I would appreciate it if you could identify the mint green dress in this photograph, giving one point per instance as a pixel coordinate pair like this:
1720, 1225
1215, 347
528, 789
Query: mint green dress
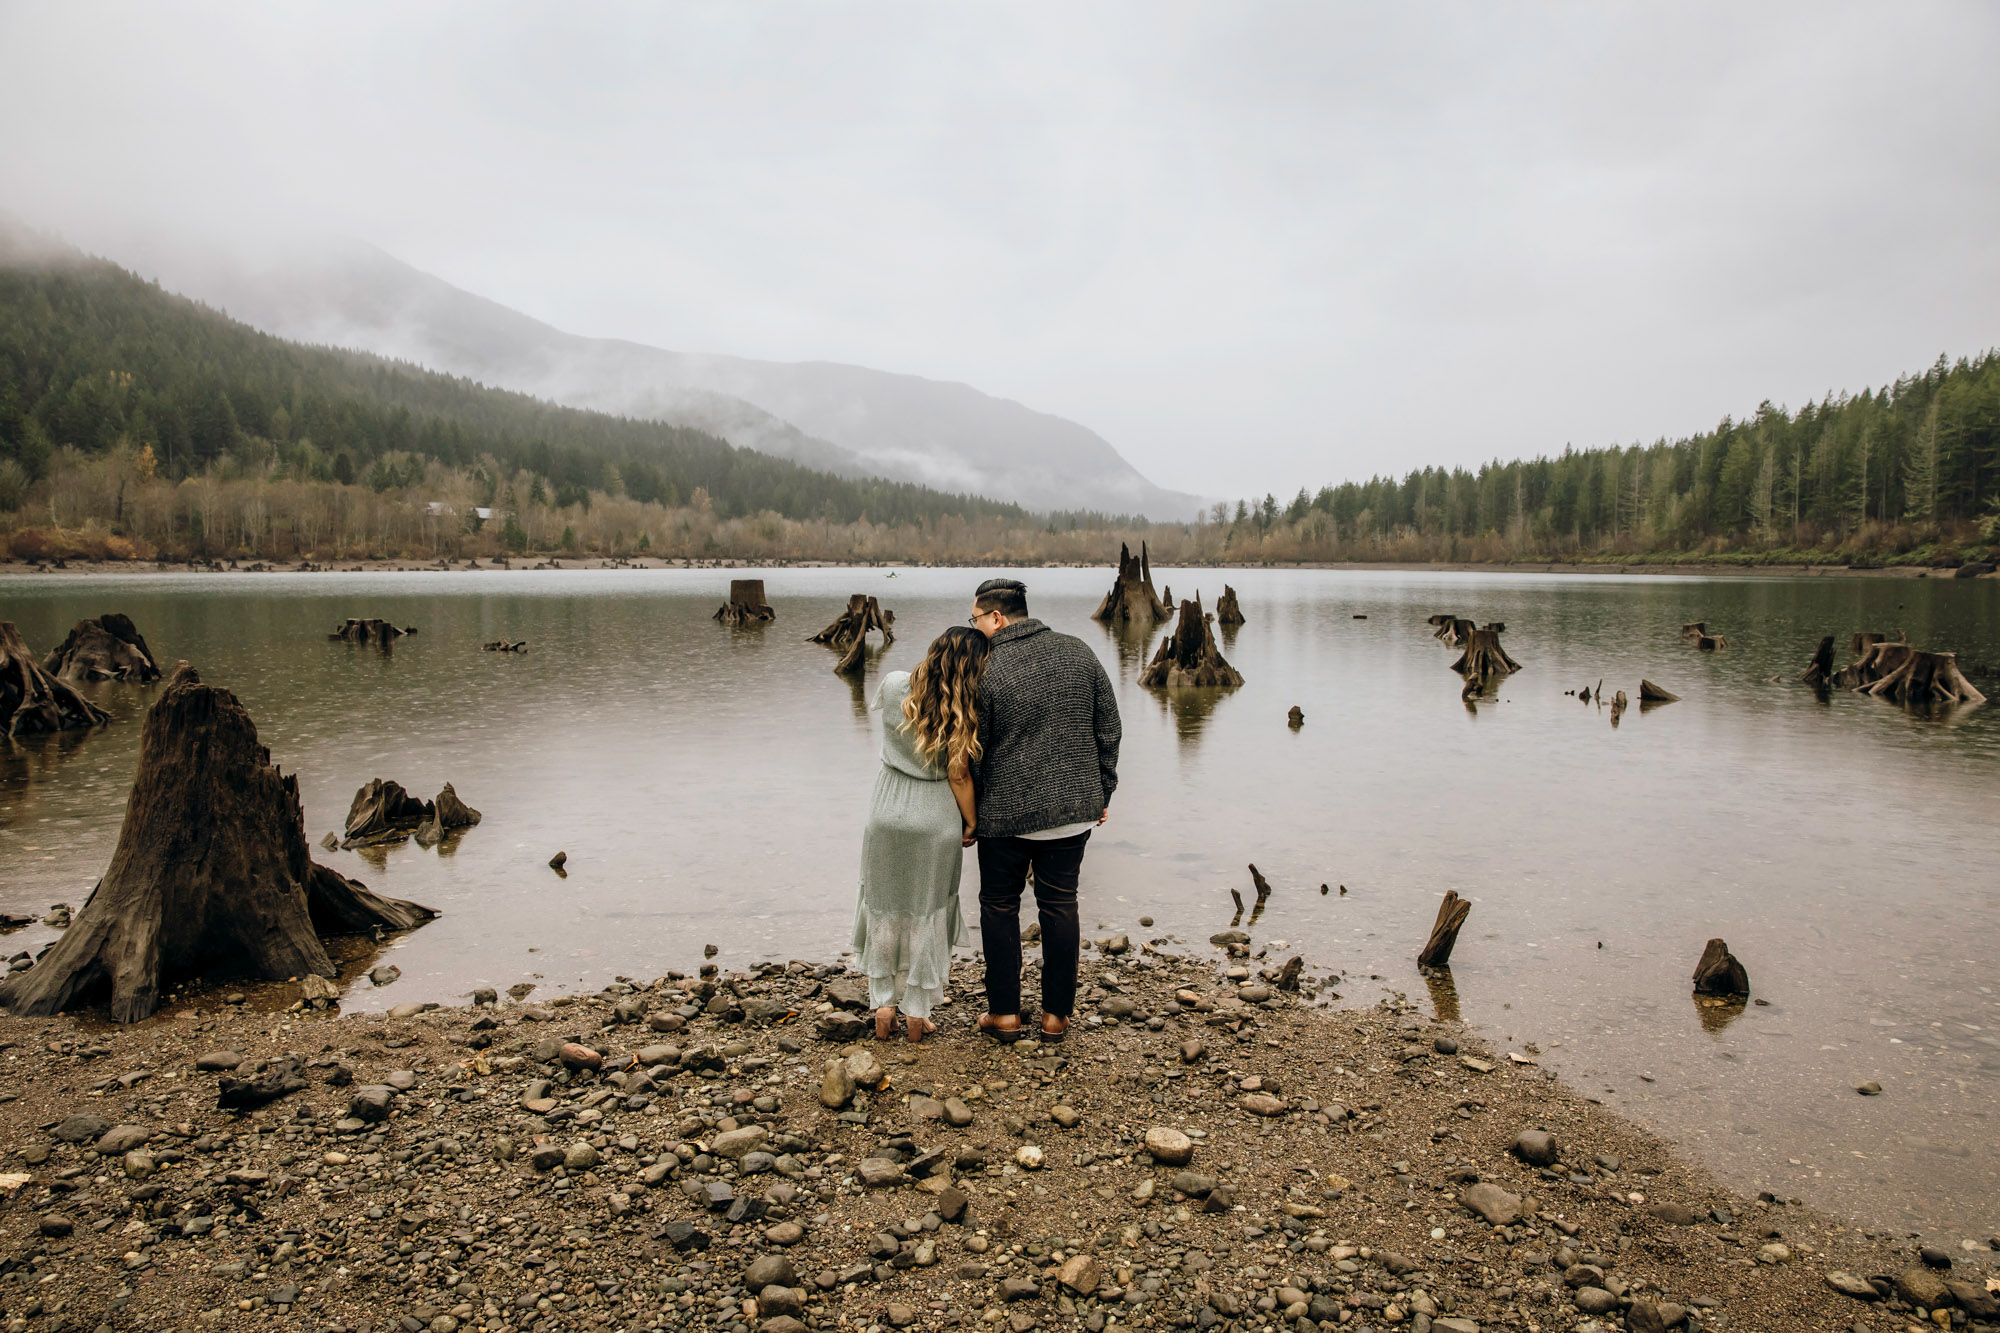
907, 919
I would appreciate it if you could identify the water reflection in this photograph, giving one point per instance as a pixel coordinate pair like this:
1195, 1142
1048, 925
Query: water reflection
1129, 640
1190, 710
1717, 1012
1444, 992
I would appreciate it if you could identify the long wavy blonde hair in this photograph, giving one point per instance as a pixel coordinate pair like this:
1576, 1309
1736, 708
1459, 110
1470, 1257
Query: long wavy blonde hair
942, 712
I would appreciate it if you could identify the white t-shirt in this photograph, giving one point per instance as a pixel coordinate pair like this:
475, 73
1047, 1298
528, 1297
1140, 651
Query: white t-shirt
1066, 831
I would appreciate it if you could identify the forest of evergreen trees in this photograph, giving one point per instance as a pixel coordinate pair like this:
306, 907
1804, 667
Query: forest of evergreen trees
136, 422
1910, 466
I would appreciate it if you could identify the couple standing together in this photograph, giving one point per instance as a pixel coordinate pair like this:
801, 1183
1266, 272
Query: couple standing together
1005, 735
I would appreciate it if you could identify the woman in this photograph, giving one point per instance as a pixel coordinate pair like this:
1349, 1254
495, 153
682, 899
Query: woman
907, 919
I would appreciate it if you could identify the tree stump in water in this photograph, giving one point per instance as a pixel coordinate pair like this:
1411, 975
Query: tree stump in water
1694, 629
863, 613
454, 813
1188, 656
1132, 597
107, 648
1819, 672
211, 873
367, 631
1708, 643
1718, 973
1912, 676
383, 811
1452, 631
1483, 659
1649, 693
32, 700
506, 646
1167, 597
1451, 916
1227, 612
746, 604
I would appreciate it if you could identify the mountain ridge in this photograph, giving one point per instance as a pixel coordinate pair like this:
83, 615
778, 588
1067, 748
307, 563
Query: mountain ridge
830, 415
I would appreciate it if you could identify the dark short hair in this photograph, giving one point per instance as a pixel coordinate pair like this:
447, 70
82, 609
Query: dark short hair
1007, 596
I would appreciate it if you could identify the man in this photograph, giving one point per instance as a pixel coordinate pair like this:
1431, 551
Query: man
1048, 737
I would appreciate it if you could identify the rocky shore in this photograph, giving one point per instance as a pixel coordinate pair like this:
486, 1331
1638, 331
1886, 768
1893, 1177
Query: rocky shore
1217, 1145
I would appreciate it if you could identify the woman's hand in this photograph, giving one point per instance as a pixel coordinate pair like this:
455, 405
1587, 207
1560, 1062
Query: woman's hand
969, 836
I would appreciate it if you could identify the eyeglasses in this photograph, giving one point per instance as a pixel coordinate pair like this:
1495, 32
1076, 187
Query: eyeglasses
978, 616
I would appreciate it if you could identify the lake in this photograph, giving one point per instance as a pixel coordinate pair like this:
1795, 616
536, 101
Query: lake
709, 784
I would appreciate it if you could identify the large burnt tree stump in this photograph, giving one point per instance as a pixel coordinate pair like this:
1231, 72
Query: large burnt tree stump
107, 648
1188, 656
211, 875
1451, 916
32, 700
746, 605
1451, 631
1132, 599
1227, 612
355, 630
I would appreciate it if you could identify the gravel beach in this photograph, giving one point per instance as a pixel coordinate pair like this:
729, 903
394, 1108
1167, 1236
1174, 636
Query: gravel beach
1218, 1144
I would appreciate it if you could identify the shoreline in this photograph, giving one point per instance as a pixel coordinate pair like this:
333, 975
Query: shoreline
683, 1153
20, 569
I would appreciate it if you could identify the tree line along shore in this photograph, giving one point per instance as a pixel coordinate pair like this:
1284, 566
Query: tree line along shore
136, 424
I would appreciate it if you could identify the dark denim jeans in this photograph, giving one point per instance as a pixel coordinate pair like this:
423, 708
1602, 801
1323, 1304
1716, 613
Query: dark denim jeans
1003, 871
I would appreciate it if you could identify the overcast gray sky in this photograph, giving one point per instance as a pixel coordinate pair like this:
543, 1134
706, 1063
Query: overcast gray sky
1255, 245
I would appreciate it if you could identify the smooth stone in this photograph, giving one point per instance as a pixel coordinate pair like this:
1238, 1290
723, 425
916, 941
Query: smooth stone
1169, 1147
1536, 1147
1494, 1205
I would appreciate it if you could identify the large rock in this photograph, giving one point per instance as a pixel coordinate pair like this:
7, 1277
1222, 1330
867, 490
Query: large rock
1975, 1300
371, 1102
78, 1128
121, 1139
1847, 1284
1595, 1300
1494, 1205
770, 1270
1673, 1214
865, 1069
1082, 1274
836, 1089
1169, 1147
1920, 1286
734, 1143
1537, 1147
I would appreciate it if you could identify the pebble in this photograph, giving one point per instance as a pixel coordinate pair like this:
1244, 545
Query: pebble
1169, 1147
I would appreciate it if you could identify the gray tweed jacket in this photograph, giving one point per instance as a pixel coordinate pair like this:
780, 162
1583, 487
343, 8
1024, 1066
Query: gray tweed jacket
1048, 733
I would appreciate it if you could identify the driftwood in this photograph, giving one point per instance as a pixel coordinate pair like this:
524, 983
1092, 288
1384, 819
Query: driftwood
1718, 973
1649, 693
1263, 887
1132, 597
32, 700
863, 613
211, 874
1483, 659
107, 648
506, 646
383, 811
1444, 931
368, 631
1227, 612
1188, 656
746, 605
1895, 670
1819, 671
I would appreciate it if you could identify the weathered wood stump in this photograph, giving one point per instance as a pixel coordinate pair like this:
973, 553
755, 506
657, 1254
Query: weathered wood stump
863, 613
1227, 612
1483, 659
1694, 629
382, 811
1892, 669
107, 648
1167, 598
1709, 643
211, 874
1132, 597
1188, 657
1451, 631
1718, 973
452, 812
32, 700
1819, 671
1451, 916
1649, 693
354, 630
746, 605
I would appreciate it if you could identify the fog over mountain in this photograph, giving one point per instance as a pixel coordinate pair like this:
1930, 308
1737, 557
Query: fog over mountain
849, 420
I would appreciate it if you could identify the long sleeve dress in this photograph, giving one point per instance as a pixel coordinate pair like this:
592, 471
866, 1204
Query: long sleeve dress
907, 918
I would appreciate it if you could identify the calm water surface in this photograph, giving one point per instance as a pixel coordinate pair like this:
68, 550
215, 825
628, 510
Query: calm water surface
709, 786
